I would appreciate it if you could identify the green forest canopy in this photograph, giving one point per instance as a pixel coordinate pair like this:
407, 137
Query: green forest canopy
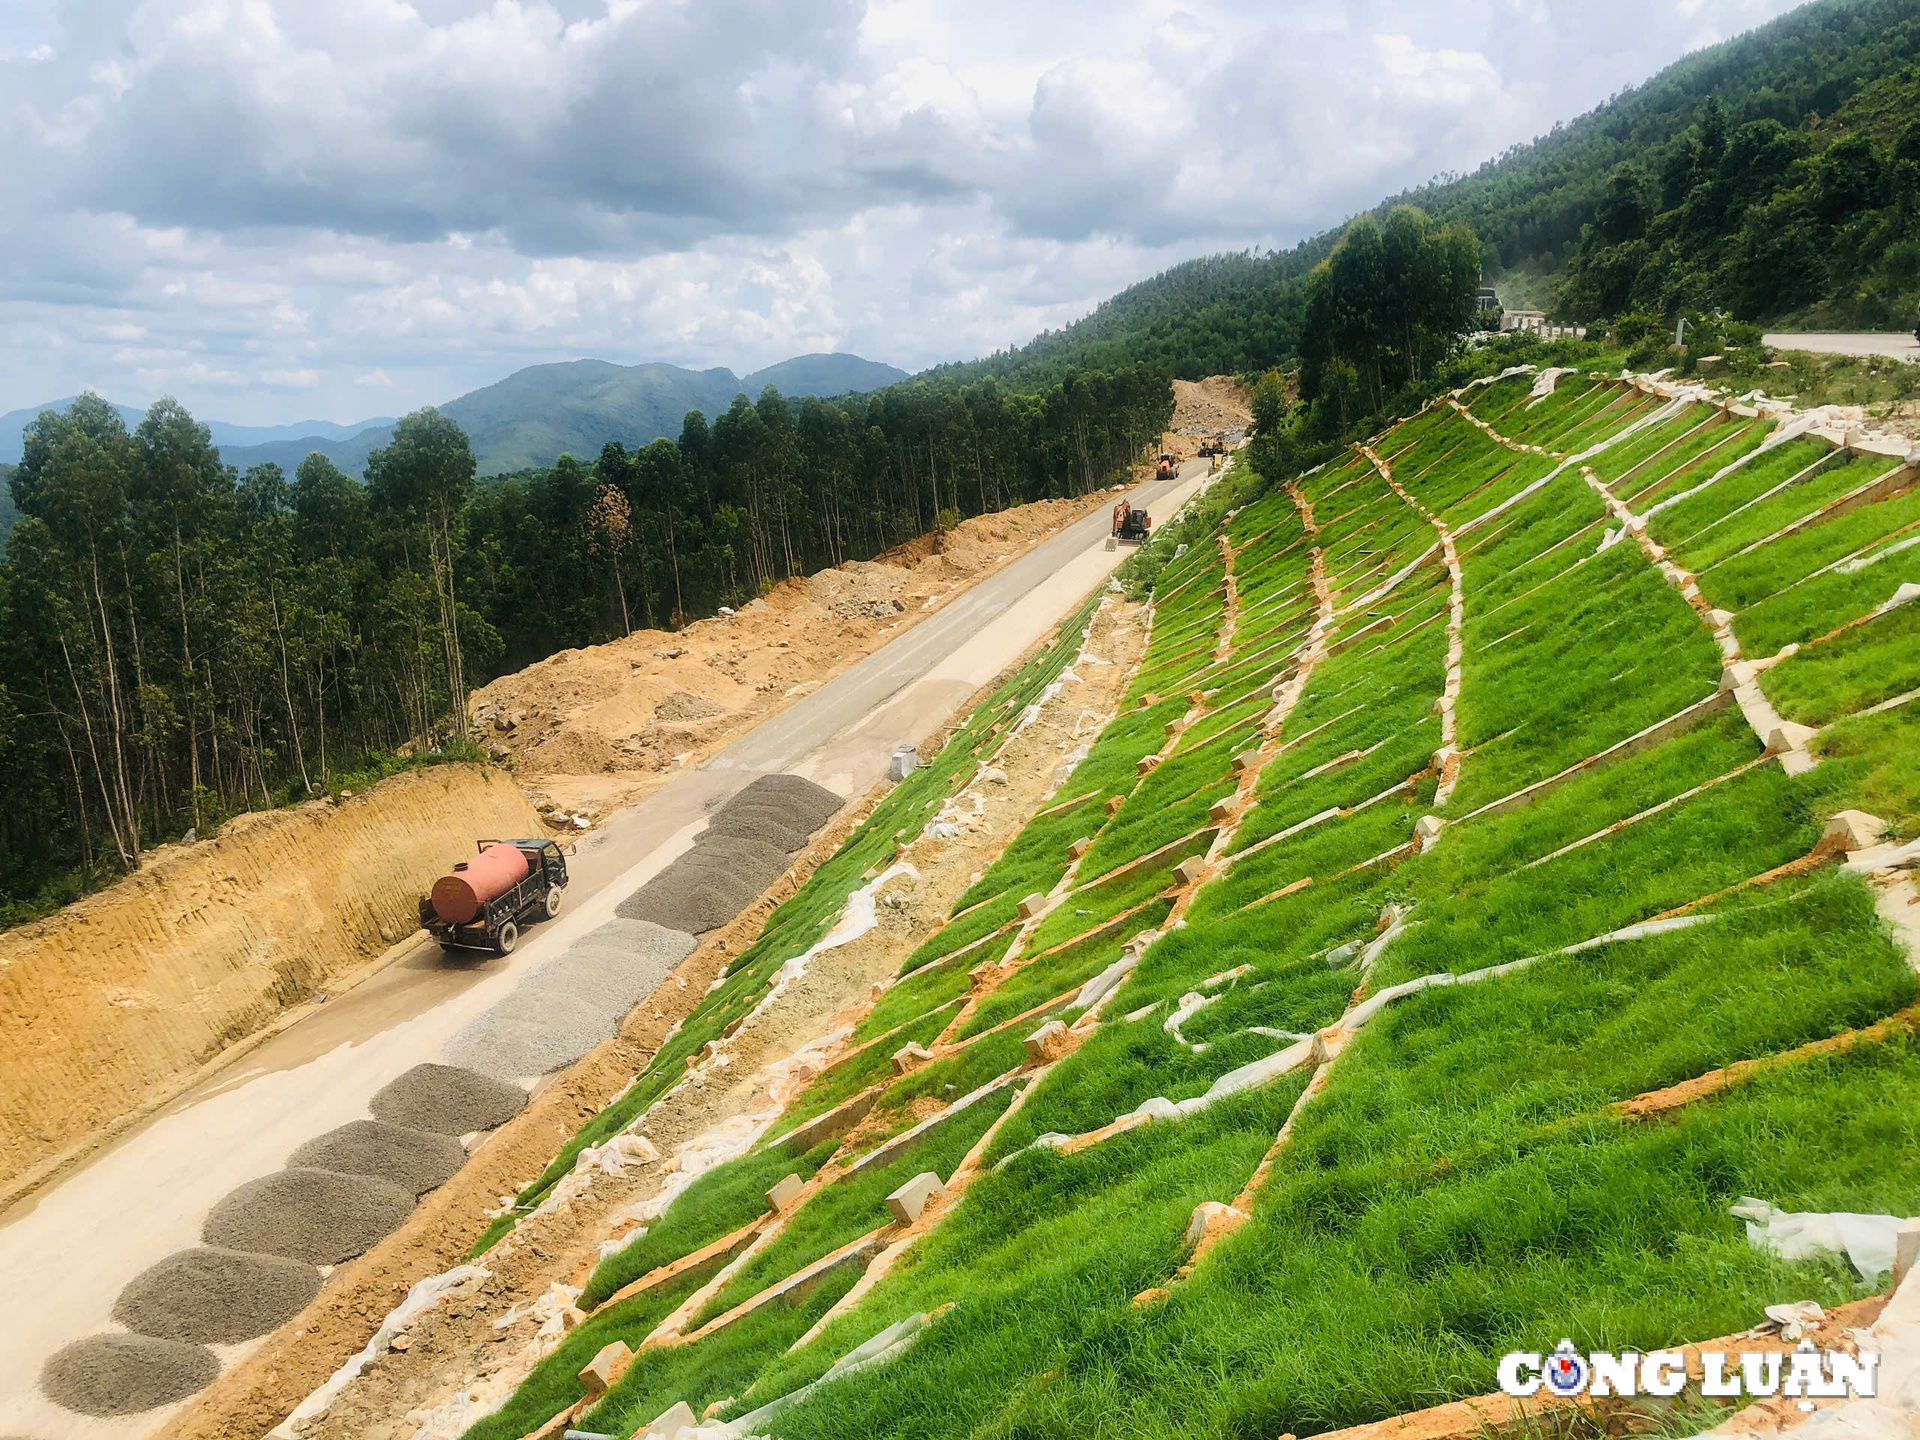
1822, 73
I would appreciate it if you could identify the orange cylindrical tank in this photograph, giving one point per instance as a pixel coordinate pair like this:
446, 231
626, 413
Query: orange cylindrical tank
458, 897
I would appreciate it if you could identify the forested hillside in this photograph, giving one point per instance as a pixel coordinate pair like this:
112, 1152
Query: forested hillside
180, 640
1778, 192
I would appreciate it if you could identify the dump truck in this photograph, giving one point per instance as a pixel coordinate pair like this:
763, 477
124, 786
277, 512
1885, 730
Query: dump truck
1130, 523
481, 903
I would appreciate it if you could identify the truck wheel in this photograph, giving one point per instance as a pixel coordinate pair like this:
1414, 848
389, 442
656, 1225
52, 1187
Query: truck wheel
508, 937
553, 902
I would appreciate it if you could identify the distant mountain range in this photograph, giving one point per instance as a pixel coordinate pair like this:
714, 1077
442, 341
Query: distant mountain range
535, 415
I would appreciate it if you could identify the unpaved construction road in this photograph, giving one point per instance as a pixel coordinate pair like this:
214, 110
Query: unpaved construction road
1901, 347
66, 1253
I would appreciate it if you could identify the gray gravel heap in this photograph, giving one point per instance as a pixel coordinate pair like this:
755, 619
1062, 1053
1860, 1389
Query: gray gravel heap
419, 1160
693, 894
319, 1216
216, 1297
126, 1374
510, 1046
747, 844
447, 1101
810, 805
572, 1003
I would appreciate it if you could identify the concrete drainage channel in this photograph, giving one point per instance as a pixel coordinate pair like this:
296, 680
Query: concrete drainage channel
268, 1246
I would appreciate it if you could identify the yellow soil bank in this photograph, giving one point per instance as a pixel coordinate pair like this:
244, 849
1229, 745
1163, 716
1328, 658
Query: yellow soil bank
116, 1001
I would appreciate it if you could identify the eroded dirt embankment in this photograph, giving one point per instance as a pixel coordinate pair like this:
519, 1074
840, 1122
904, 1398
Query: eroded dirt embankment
112, 1005
594, 729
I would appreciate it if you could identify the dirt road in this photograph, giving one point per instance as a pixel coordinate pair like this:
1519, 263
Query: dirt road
1901, 346
65, 1255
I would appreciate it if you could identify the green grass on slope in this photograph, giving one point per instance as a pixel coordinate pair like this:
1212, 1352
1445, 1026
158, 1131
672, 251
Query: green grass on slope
848, 1209
718, 1203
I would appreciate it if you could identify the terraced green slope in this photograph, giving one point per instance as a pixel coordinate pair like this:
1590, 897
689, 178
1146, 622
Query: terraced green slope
1469, 787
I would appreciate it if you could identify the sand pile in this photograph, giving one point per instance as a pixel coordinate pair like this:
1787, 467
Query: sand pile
447, 1101
318, 1216
571, 1004
216, 1297
126, 1374
749, 841
418, 1160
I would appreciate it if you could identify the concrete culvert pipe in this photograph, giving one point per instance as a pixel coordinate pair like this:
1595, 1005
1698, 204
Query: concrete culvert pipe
420, 1160
216, 1297
447, 1100
318, 1216
126, 1374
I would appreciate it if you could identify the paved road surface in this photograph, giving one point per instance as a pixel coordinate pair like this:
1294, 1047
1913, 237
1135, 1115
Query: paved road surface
1902, 346
66, 1252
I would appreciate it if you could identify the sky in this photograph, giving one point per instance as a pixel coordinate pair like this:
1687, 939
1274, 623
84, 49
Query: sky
340, 208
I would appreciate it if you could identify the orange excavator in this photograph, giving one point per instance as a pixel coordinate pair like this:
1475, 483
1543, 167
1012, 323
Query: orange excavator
1131, 523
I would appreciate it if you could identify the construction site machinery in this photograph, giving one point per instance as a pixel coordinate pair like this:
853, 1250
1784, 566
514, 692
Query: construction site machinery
1130, 523
1168, 468
481, 903
1212, 448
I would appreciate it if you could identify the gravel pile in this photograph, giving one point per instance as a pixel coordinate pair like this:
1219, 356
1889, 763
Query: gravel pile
418, 1160
810, 805
571, 1004
447, 1101
511, 1047
216, 1297
749, 841
693, 894
318, 1216
126, 1374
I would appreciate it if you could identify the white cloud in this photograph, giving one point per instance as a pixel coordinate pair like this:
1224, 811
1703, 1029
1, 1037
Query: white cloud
264, 207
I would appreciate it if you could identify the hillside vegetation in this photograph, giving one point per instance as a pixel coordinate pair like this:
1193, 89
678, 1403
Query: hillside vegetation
1316, 1043
179, 641
1803, 170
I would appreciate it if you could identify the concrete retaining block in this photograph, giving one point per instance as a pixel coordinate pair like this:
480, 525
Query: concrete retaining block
1190, 869
906, 1203
603, 1372
1080, 847
1851, 830
1032, 905
781, 1197
909, 1055
1047, 1043
670, 1422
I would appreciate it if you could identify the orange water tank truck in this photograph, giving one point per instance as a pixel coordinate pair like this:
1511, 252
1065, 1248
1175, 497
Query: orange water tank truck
481, 903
